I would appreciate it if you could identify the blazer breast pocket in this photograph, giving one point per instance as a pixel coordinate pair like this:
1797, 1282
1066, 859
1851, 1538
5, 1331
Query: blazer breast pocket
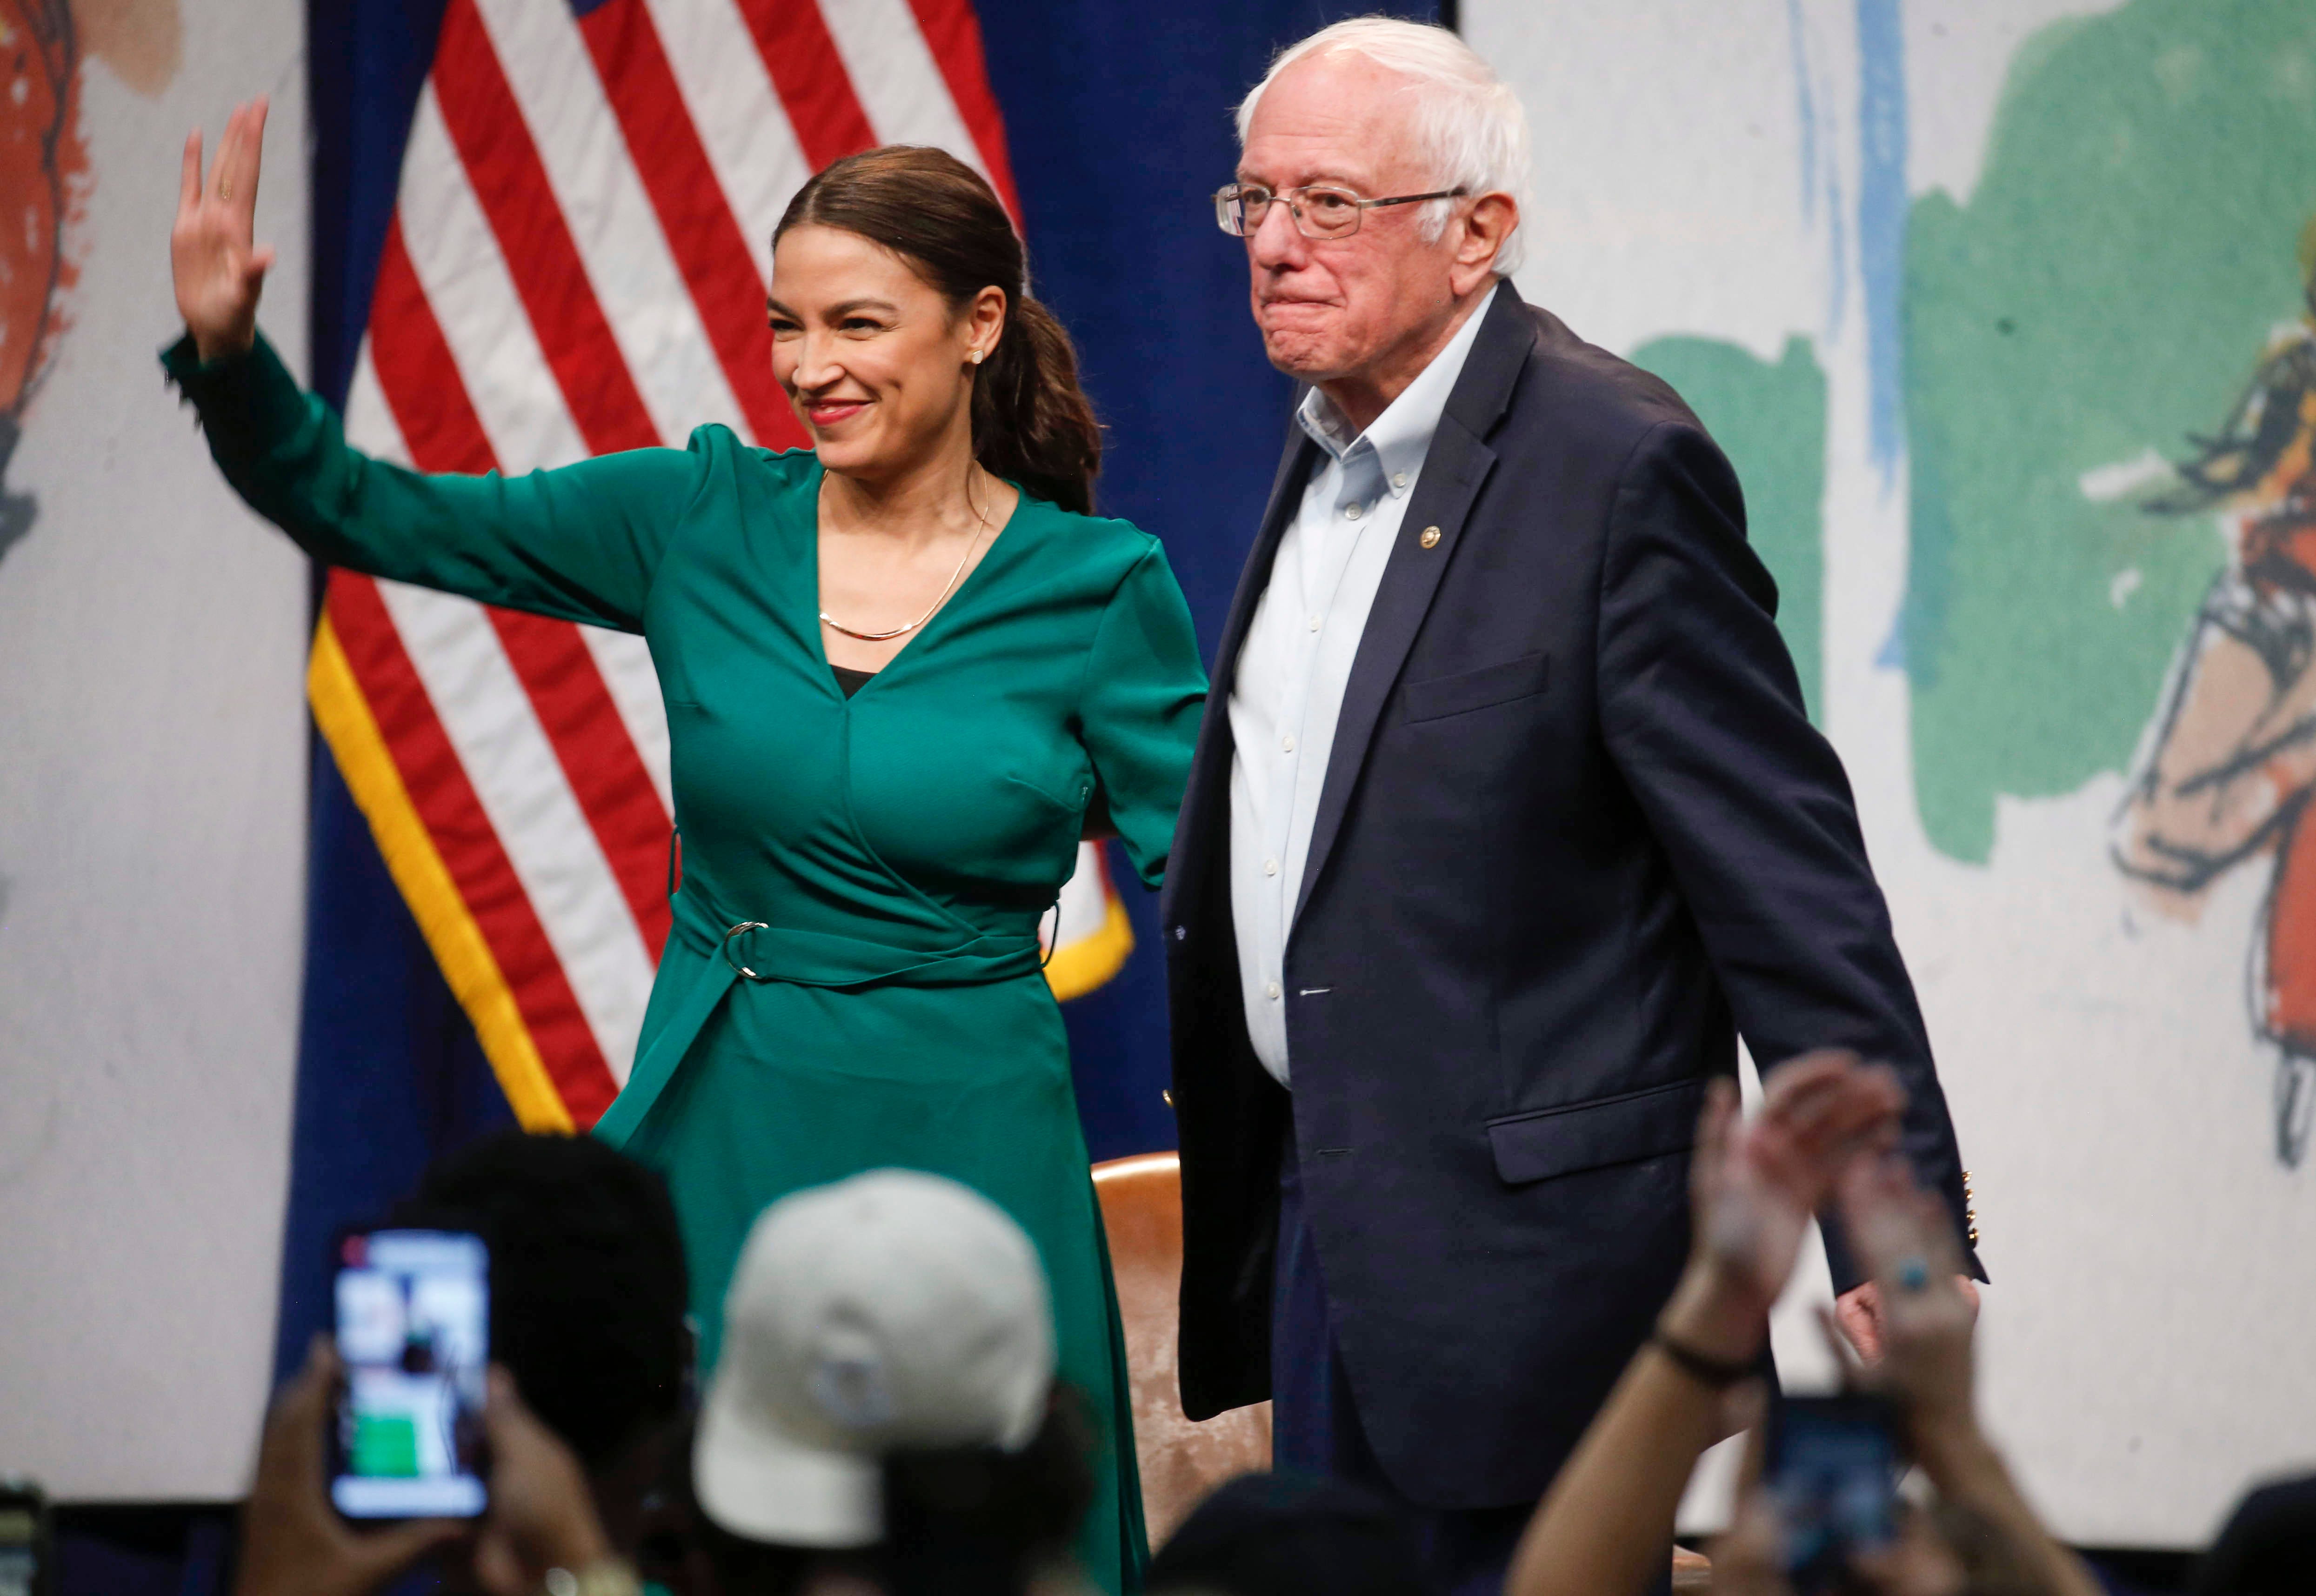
1467, 690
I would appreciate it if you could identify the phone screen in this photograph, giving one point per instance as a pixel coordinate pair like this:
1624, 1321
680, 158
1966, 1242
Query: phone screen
23, 1535
413, 1333
1833, 1470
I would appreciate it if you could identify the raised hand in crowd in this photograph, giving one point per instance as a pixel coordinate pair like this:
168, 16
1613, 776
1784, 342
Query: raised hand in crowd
1978, 1535
218, 268
1927, 1371
542, 1514
1859, 1312
293, 1543
1605, 1526
1863, 1313
1756, 1187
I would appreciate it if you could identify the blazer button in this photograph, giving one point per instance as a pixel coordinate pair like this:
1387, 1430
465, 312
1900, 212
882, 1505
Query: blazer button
1430, 538
1167, 1098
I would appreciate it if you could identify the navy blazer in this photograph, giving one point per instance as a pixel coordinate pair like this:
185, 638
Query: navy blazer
1576, 831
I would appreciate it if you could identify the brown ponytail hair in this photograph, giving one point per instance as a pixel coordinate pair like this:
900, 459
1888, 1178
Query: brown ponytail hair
1031, 423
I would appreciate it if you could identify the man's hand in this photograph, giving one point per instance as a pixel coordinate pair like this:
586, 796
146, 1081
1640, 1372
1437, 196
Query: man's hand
1755, 1186
293, 1543
1858, 1311
542, 1509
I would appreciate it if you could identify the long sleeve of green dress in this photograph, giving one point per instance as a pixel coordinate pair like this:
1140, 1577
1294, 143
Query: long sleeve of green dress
852, 980
1131, 718
580, 543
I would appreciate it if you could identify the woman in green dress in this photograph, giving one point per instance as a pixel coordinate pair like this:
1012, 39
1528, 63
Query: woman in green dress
901, 670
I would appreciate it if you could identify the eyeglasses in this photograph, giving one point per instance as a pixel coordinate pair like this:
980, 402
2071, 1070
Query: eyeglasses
1319, 211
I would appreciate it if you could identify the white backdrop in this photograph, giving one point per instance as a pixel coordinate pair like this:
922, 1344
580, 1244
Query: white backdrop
152, 830
2146, 1338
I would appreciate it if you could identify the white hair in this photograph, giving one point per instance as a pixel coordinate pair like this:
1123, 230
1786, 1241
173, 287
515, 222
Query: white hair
1469, 123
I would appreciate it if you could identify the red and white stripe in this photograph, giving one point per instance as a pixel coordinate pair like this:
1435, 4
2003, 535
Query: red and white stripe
577, 264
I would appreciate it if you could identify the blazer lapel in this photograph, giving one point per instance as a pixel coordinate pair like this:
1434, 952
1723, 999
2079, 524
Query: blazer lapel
1454, 469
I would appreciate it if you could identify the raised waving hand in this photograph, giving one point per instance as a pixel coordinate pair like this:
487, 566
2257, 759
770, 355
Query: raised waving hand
219, 270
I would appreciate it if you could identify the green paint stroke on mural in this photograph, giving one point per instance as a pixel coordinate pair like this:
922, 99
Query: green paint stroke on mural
2107, 291
1770, 421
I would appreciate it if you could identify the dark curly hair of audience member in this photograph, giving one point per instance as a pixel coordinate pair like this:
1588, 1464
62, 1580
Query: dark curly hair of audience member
563, 1216
1290, 1534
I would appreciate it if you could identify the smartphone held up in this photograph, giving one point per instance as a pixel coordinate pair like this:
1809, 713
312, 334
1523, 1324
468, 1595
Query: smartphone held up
1833, 1468
413, 1335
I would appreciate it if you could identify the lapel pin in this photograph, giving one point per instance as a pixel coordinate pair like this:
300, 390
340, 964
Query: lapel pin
1430, 538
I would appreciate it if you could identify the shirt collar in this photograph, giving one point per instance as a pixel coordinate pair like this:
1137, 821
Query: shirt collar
1401, 436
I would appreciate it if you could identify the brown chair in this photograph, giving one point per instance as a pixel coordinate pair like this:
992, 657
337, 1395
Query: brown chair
1181, 1460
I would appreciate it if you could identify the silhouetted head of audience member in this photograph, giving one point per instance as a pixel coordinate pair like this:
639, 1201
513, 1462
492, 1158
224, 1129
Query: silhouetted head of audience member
588, 1292
885, 1405
958, 1522
2268, 1546
1290, 1535
981, 1521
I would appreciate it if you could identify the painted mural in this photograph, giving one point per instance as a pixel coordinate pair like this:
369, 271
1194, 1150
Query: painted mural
44, 173
2094, 306
2231, 762
2111, 443
2094, 481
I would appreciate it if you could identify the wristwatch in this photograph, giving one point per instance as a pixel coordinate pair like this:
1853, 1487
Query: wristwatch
605, 1577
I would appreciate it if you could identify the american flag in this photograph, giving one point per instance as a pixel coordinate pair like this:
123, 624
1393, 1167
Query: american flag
577, 264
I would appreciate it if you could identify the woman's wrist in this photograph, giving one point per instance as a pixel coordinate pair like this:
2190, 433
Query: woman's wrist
213, 347
1714, 1316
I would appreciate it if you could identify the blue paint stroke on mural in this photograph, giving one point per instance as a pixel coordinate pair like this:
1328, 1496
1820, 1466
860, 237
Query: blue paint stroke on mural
1882, 204
1805, 109
1819, 177
1836, 248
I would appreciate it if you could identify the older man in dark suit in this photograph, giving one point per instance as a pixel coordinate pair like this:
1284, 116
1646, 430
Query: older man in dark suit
1506, 818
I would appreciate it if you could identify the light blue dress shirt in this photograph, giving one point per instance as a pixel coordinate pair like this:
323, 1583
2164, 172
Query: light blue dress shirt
1296, 660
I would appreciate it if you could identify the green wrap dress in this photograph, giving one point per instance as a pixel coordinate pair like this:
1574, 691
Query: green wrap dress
893, 853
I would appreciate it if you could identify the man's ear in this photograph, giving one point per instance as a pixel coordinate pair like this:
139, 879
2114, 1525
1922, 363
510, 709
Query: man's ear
1486, 226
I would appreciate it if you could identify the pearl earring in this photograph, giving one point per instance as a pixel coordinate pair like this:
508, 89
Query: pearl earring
977, 356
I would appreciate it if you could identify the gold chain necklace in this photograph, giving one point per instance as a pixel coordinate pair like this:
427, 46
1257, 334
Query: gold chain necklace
950, 586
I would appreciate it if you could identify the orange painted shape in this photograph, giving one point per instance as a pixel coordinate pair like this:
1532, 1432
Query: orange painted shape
43, 170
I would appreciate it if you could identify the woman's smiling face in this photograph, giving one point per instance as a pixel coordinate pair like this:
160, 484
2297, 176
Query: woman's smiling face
875, 361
